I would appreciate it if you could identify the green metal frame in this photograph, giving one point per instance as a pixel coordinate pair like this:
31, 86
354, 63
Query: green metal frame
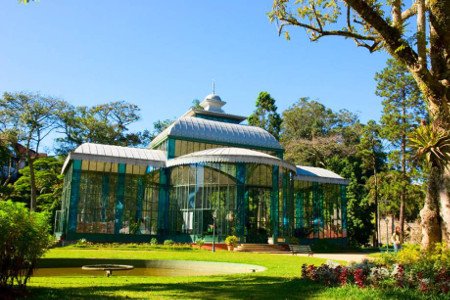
274, 207
74, 195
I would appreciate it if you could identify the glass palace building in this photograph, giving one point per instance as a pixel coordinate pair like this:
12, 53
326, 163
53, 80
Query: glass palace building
205, 171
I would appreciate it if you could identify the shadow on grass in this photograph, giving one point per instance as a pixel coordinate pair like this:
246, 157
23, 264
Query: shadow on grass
258, 287
236, 288
247, 286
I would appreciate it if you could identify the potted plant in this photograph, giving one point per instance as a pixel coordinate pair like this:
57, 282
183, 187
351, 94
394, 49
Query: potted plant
231, 242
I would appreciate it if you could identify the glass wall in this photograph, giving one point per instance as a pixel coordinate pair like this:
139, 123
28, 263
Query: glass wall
183, 147
319, 210
197, 193
237, 195
117, 199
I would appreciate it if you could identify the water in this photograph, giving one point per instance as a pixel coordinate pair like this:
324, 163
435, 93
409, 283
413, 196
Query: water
159, 268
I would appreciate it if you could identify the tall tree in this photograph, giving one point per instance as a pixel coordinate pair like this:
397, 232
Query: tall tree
369, 25
370, 150
266, 115
32, 118
104, 124
403, 110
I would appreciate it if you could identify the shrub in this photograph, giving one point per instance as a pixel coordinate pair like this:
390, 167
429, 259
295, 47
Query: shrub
169, 243
153, 242
200, 243
24, 238
82, 243
231, 240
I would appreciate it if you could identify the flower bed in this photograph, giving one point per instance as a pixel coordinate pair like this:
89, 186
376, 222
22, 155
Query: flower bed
410, 268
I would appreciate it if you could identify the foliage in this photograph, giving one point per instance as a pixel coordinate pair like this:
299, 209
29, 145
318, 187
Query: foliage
265, 115
423, 52
315, 135
160, 125
153, 245
103, 124
390, 185
49, 183
200, 243
31, 117
153, 241
365, 274
168, 243
312, 133
231, 240
403, 110
24, 238
431, 143
83, 243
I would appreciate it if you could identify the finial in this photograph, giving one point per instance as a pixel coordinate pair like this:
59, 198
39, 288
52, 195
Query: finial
213, 87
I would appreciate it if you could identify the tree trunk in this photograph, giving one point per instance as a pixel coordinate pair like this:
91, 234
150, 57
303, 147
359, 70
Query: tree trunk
33, 193
430, 218
445, 207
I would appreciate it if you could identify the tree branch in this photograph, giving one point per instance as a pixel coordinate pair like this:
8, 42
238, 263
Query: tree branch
293, 21
397, 14
409, 12
317, 17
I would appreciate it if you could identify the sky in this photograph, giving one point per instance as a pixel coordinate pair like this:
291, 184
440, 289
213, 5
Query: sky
161, 55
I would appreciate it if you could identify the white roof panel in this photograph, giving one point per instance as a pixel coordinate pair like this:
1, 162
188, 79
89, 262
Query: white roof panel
305, 173
117, 154
219, 132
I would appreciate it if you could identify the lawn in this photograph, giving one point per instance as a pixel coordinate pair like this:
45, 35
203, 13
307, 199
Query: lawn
281, 280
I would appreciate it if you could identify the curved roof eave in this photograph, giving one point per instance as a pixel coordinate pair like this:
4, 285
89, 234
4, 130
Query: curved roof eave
320, 175
116, 154
229, 155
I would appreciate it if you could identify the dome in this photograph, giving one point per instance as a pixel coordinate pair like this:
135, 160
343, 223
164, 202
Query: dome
213, 103
212, 97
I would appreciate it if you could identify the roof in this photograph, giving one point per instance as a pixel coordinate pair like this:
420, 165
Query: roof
229, 155
117, 154
321, 175
219, 132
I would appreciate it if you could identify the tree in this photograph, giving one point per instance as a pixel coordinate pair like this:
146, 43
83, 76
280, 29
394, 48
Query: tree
403, 110
104, 124
312, 133
370, 150
368, 24
8, 138
265, 115
160, 125
49, 184
32, 118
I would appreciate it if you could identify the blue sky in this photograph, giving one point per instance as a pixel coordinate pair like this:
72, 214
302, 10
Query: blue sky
161, 55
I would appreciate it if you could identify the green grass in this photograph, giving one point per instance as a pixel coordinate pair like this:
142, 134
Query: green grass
281, 280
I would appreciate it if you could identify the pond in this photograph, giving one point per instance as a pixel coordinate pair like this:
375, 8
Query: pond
158, 268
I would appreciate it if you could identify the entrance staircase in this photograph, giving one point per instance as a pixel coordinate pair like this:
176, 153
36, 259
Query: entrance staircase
262, 248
